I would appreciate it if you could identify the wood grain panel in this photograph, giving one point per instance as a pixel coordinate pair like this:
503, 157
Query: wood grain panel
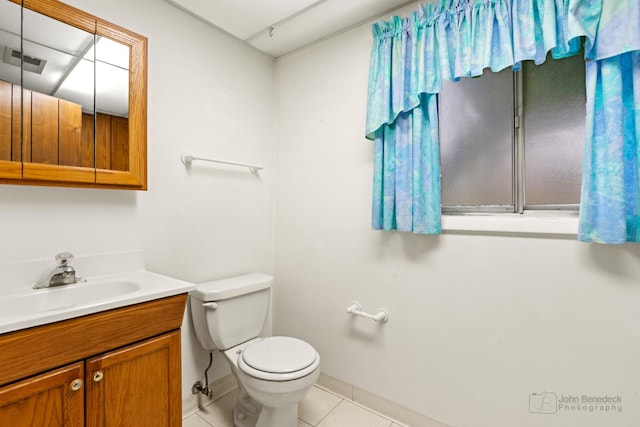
87, 144
138, 111
10, 170
70, 133
58, 173
119, 143
44, 400
6, 101
35, 350
44, 129
21, 150
103, 141
104, 176
141, 384
67, 184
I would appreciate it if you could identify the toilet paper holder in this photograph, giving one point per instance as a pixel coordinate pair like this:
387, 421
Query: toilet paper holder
381, 316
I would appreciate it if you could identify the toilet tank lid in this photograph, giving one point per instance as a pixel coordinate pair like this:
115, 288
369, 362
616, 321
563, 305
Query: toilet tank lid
216, 290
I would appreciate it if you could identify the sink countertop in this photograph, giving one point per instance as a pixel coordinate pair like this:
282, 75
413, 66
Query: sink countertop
142, 286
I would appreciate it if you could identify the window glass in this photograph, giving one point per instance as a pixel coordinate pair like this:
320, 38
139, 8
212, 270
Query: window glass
554, 98
476, 140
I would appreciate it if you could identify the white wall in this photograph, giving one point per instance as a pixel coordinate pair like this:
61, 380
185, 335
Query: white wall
208, 221
209, 94
478, 322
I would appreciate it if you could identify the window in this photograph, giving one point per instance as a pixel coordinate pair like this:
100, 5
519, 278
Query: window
511, 142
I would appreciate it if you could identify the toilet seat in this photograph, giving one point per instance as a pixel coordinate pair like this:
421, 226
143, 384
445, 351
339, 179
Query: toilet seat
278, 359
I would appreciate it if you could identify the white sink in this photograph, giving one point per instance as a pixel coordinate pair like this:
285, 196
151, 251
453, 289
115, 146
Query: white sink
30, 307
62, 297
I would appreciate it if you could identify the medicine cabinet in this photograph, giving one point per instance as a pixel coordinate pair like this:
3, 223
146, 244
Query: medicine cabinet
73, 98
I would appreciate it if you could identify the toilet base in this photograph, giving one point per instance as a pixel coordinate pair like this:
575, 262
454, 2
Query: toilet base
282, 416
242, 418
246, 410
267, 417
286, 416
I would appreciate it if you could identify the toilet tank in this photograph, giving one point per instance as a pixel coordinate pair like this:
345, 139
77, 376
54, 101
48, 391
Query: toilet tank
230, 311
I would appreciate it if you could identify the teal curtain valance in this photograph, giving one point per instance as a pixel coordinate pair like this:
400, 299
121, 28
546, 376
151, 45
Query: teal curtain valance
460, 38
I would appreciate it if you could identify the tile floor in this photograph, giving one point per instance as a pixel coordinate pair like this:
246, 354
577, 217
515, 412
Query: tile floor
320, 408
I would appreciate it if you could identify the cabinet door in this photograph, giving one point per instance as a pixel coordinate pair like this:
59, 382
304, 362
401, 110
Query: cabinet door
52, 399
140, 383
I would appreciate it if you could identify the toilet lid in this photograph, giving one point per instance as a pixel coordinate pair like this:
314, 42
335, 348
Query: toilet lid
279, 355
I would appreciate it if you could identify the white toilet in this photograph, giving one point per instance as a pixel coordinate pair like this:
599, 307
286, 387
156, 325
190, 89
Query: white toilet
273, 373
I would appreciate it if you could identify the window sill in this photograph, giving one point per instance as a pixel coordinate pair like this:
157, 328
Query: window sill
532, 222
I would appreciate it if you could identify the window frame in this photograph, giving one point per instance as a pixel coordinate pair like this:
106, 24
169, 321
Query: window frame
519, 206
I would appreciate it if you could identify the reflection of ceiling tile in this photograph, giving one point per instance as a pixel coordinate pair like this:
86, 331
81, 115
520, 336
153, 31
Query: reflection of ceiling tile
28, 63
9, 37
278, 27
59, 36
70, 71
10, 17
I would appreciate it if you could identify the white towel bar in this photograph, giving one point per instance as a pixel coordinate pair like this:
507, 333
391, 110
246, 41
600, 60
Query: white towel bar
187, 159
381, 316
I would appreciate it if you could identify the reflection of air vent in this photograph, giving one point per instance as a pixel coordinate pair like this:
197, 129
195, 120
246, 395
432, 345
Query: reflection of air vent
28, 63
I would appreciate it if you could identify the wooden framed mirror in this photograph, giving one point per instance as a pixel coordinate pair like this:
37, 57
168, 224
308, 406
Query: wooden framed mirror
73, 98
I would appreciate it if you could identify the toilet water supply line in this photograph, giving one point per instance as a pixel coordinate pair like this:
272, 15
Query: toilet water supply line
204, 389
381, 316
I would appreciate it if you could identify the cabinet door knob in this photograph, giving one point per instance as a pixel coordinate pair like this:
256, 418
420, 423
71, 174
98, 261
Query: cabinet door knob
76, 385
97, 377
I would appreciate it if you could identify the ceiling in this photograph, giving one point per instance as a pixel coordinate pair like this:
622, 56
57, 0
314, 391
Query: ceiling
279, 27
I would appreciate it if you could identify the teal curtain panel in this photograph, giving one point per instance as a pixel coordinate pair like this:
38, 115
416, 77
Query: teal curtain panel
610, 195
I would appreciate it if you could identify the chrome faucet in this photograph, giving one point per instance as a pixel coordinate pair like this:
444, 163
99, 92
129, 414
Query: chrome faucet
63, 274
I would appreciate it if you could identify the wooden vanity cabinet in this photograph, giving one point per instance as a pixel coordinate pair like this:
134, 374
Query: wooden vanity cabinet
53, 399
137, 383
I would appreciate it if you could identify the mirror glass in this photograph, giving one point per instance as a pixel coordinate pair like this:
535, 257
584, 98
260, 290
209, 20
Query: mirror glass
76, 93
10, 76
58, 75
